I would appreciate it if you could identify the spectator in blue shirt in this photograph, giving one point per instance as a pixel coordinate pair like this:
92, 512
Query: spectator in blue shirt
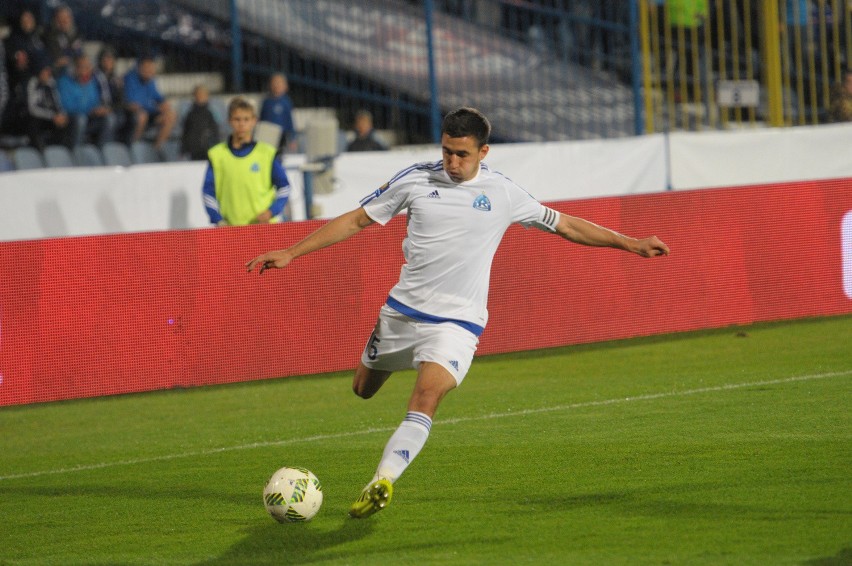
83, 101
148, 105
278, 108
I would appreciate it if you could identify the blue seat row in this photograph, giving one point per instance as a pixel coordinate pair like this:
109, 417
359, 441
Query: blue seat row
115, 154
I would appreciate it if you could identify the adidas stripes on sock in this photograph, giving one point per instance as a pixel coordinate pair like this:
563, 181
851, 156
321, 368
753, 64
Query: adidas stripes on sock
404, 445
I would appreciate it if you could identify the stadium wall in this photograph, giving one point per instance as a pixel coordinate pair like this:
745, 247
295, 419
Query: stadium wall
112, 314
52, 203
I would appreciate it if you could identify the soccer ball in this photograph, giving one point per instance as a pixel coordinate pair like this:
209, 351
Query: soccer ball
292, 495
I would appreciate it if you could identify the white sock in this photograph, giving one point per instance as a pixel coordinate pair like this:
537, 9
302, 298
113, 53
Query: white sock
404, 445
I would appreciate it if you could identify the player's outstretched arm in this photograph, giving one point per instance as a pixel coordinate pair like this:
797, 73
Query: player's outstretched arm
590, 234
337, 230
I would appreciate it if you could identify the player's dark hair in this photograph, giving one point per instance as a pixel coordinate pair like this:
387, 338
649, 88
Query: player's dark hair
466, 121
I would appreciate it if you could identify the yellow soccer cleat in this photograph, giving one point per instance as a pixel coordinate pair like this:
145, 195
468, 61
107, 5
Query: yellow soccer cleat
375, 497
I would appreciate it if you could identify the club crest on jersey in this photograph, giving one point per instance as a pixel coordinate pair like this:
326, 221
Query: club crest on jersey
255, 167
482, 203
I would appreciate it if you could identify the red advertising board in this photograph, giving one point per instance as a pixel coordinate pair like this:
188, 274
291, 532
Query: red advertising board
104, 315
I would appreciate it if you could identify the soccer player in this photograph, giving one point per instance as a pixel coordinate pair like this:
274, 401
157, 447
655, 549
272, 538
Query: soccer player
458, 210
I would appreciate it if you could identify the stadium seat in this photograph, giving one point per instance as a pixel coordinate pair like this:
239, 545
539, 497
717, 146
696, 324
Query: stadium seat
88, 155
58, 156
116, 154
171, 151
268, 132
5, 163
143, 152
219, 108
27, 158
342, 141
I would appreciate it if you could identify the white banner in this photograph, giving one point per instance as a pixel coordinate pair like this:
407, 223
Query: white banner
749, 157
101, 200
49, 203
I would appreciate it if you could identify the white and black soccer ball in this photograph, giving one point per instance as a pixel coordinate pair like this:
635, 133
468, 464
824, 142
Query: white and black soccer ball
292, 495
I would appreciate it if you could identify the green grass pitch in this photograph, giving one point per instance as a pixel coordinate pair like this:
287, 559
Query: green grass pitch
729, 446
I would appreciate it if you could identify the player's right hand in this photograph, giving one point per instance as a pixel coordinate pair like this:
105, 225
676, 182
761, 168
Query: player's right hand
276, 259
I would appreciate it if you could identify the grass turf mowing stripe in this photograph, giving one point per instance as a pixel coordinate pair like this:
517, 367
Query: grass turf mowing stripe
522, 412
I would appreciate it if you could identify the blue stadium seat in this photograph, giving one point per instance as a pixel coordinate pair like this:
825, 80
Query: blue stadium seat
116, 154
219, 108
58, 156
27, 158
143, 152
171, 151
5, 163
88, 155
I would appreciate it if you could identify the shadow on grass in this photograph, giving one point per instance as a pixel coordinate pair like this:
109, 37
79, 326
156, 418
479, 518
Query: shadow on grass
677, 501
735, 331
294, 543
842, 558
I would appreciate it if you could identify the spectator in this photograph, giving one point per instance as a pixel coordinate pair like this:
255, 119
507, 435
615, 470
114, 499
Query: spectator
688, 19
24, 45
111, 87
277, 108
4, 84
91, 118
245, 182
365, 135
61, 39
795, 26
47, 122
148, 105
200, 126
841, 99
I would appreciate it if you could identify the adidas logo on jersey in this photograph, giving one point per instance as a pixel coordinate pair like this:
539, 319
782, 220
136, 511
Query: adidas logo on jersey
402, 454
455, 364
434, 194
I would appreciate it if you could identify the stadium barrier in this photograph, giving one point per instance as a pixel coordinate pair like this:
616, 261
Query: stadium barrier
105, 315
88, 201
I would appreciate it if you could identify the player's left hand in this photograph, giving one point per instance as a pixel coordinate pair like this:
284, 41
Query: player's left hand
652, 247
264, 217
277, 259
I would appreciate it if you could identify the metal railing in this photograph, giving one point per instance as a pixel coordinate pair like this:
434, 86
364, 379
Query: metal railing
544, 70
736, 63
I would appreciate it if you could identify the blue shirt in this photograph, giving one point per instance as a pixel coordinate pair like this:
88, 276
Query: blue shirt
144, 93
279, 110
77, 98
798, 15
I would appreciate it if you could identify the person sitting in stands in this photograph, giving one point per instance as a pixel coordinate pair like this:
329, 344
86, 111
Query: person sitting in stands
62, 40
47, 122
365, 135
200, 127
277, 108
82, 99
149, 106
111, 86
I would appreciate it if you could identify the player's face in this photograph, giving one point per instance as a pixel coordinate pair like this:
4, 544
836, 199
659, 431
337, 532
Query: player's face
462, 157
242, 123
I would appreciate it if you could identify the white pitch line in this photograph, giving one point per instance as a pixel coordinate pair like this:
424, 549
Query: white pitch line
522, 412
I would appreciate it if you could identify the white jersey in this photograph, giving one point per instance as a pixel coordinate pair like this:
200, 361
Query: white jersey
453, 232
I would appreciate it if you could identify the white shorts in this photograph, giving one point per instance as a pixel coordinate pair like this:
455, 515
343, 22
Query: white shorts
399, 342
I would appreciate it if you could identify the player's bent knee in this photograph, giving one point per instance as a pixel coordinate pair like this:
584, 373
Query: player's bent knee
362, 391
367, 382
